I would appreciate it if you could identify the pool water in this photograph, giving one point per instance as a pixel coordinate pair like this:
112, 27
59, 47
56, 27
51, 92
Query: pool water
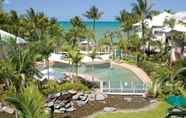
102, 72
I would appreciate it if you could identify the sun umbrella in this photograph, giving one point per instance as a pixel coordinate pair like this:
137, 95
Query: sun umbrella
177, 101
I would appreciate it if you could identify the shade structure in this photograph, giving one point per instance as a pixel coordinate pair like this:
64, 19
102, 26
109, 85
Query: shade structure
177, 101
6, 35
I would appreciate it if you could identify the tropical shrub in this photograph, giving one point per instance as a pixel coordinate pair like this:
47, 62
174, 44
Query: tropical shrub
52, 87
30, 103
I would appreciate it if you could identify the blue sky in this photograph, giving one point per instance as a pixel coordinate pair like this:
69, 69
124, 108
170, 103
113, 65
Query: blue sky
65, 9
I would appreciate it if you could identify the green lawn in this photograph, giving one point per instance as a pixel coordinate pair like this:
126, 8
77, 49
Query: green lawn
158, 112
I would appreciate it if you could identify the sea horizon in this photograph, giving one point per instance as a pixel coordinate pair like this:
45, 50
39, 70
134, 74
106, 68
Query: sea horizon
101, 26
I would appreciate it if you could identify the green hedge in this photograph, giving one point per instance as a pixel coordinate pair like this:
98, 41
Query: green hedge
52, 87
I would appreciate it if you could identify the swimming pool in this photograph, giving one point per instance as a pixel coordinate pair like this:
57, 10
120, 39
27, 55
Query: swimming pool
102, 72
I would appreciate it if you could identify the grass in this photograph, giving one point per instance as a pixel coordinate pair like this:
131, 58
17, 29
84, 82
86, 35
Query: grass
158, 112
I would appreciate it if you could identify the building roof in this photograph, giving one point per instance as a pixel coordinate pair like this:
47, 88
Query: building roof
158, 21
5, 35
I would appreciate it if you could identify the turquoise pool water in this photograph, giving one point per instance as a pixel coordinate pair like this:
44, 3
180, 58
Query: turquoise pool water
103, 72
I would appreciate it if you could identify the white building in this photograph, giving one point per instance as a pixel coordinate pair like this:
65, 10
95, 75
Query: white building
159, 30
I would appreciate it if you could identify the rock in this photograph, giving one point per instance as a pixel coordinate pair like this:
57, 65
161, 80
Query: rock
92, 97
50, 104
83, 98
57, 111
57, 94
100, 97
109, 109
72, 92
57, 106
62, 109
75, 97
62, 104
81, 103
8, 110
80, 94
70, 109
68, 105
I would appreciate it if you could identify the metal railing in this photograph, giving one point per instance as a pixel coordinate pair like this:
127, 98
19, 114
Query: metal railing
123, 87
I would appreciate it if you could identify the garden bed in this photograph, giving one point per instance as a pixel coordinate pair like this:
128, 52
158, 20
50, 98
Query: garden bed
118, 102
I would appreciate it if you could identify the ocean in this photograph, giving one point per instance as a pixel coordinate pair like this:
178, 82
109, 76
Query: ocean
101, 26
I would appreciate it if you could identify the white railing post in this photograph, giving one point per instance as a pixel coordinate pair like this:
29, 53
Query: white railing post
121, 86
101, 86
109, 86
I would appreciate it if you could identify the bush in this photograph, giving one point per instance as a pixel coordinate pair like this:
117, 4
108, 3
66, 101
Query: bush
155, 70
52, 87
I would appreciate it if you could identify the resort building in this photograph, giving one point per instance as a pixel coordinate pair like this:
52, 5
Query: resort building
161, 32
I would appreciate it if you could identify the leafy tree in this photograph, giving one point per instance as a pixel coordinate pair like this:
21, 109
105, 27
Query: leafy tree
127, 20
93, 56
30, 103
142, 9
75, 56
94, 14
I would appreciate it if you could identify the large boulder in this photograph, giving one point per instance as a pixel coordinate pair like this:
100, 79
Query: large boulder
109, 109
92, 97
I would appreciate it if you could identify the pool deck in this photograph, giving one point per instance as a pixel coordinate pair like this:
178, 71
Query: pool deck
136, 70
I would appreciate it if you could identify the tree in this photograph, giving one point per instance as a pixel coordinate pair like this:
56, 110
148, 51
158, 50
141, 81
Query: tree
127, 20
170, 23
30, 103
142, 9
94, 14
76, 32
93, 56
90, 38
75, 56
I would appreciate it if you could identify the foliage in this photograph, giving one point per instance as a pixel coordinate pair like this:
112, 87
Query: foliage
52, 87
30, 103
127, 20
142, 9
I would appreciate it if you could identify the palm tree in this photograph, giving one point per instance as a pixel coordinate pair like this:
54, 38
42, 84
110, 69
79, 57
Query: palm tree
76, 57
142, 9
77, 31
109, 36
94, 14
93, 56
77, 22
30, 103
90, 38
127, 20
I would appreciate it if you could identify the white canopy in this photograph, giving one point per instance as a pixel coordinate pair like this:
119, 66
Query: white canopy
5, 35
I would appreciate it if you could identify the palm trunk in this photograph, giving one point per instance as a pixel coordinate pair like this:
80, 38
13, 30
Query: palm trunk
92, 69
48, 68
76, 71
94, 28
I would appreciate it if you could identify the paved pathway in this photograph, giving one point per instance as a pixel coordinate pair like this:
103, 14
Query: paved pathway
136, 70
